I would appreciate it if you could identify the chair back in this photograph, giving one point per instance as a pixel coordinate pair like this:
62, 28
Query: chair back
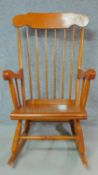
52, 23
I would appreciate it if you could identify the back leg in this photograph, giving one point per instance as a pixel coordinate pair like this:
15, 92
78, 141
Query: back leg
72, 127
27, 126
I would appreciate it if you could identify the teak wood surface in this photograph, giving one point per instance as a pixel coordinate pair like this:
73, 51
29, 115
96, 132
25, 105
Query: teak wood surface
44, 110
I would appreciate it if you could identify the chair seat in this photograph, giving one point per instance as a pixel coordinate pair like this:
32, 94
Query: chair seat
49, 110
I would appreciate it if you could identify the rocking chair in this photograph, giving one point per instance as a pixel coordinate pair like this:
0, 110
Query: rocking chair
30, 109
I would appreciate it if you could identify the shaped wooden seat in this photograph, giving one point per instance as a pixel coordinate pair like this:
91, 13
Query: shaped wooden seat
63, 109
49, 110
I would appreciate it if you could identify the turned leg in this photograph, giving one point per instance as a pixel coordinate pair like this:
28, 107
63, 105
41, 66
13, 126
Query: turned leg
80, 142
15, 144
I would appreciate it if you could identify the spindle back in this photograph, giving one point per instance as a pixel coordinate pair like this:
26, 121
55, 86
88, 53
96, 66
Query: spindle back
54, 22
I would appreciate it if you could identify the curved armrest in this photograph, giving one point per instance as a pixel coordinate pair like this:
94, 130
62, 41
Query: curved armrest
9, 75
90, 74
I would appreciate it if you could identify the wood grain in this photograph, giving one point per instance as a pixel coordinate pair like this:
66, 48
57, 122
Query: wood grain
49, 110
50, 20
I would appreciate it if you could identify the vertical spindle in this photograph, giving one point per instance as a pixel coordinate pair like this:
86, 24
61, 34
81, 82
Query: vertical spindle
63, 64
79, 64
37, 62
21, 64
46, 63
72, 61
54, 63
29, 63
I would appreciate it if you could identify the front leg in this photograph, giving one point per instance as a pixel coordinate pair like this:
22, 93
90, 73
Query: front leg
15, 144
80, 142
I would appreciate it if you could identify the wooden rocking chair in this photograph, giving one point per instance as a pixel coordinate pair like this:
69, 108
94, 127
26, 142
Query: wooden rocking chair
47, 109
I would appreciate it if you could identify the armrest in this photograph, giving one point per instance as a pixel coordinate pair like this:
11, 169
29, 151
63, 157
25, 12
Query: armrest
90, 74
86, 77
9, 75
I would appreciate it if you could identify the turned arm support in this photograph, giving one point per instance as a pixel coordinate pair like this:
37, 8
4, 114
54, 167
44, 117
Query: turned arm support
89, 74
86, 77
12, 77
9, 75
